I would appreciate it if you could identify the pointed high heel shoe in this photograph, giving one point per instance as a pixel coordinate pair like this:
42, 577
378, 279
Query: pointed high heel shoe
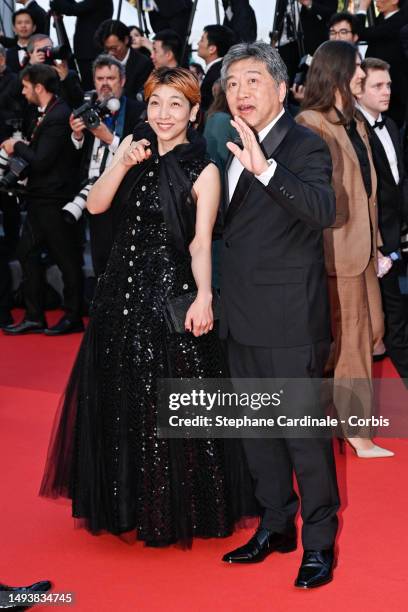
374, 452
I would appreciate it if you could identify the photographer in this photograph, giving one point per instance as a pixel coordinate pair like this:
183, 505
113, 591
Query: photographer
90, 14
41, 51
99, 144
48, 161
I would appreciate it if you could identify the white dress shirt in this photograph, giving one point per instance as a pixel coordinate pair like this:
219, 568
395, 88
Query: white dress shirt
236, 168
125, 59
98, 153
386, 141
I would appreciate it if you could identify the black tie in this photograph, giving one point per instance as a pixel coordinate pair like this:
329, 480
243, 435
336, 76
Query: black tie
379, 124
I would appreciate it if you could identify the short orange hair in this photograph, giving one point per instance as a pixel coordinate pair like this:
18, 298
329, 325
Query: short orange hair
180, 78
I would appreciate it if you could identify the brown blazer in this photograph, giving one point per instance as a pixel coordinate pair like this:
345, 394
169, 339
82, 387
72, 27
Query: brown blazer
348, 244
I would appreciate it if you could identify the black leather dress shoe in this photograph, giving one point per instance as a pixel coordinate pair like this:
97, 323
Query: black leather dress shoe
65, 326
38, 587
5, 319
316, 569
25, 327
262, 544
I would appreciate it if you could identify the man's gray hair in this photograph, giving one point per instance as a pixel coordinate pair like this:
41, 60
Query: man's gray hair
259, 51
108, 60
33, 39
3, 52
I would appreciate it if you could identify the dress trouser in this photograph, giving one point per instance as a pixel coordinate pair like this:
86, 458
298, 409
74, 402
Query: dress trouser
357, 324
45, 227
396, 320
272, 461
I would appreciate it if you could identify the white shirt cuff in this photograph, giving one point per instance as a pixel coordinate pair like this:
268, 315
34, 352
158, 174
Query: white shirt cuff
114, 145
361, 12
78, 144
266, 176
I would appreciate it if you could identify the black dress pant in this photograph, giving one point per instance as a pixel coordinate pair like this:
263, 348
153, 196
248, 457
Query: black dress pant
273, 461
85, 70
395, 307
45, 227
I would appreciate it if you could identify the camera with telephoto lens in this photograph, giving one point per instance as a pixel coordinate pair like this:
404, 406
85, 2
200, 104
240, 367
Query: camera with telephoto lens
94, 111
4, 162
62, 52
15, 123
72, 211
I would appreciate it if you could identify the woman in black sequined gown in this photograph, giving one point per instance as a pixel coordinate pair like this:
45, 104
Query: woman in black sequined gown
104, 453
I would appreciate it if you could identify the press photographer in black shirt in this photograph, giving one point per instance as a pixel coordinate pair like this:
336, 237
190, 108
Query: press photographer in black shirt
48, 160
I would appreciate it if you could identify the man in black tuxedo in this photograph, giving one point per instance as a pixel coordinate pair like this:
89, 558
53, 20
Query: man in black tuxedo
114, 38
24, 28
212, 46
392, 199
384, 42
98, 146
90, 14
39, 15
275, 311
51, 181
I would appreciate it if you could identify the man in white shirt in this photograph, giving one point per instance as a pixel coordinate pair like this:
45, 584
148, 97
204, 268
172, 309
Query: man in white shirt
24, 27
38, 14
392, 199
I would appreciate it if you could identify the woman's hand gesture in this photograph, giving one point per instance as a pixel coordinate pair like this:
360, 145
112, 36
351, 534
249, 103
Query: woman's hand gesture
136, 153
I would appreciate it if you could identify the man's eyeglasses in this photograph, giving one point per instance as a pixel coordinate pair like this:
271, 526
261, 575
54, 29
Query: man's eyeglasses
342, 32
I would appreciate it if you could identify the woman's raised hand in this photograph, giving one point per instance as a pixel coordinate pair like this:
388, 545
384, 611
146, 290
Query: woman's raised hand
136, 153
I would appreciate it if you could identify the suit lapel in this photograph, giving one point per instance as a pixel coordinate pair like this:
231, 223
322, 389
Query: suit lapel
395, 138
269, 145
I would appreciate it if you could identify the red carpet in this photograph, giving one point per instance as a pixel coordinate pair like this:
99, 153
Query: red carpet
38, 539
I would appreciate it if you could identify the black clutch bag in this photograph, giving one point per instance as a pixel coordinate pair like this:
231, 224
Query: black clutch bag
175, 310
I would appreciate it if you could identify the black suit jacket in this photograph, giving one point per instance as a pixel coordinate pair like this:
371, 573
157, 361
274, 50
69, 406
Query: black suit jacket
273, 278
392, 199
52, 176
90, 14
314, 22
169, 9
206, 86
13, 61
39, 17
384, 42
138, 68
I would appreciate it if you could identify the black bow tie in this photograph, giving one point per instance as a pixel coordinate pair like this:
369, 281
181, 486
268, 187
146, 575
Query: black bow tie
379, 124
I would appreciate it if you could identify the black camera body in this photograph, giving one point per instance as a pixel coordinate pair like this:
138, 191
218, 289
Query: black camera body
301, 74
17, 171
94, 111
62, 52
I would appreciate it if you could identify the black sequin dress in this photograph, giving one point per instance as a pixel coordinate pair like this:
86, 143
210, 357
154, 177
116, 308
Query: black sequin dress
104, 453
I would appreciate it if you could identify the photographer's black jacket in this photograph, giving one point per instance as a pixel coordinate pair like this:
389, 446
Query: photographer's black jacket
90, 14
52, 177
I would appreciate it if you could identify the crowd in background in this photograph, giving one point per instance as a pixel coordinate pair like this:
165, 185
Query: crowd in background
91, 99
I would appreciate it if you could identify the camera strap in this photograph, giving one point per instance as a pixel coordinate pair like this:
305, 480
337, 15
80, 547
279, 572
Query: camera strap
42, 116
